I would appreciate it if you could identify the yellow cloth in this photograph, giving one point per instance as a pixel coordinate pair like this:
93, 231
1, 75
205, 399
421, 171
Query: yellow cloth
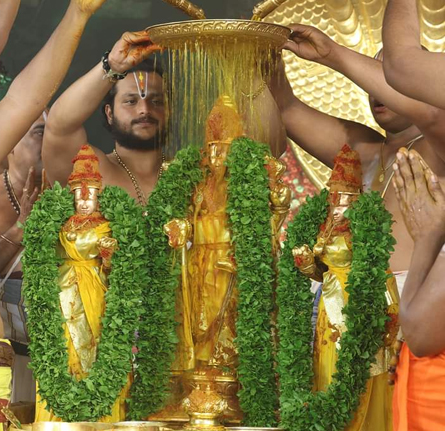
374, 412
5, 378
210, 319
214, 342
82, 298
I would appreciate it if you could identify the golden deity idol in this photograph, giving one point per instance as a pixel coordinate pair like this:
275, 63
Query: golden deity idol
330, 262
85, 247
207, 305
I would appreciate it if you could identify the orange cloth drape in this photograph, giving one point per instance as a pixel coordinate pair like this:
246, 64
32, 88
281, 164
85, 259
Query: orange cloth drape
419, 394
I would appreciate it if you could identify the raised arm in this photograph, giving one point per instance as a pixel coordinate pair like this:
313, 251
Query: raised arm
316, 132
33, 88
8, 12
408, 68
64, 131
368, 74
422, 202
264, 122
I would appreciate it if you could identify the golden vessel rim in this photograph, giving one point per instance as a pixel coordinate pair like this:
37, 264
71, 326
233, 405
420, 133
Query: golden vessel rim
221, 21
201, 28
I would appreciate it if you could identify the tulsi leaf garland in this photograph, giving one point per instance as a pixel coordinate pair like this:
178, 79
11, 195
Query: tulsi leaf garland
251, 233
93, 397
157, 334
249, 215
365, 313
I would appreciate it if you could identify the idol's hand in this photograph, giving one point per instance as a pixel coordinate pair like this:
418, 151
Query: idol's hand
107, 246
88, 6
130, 50
107, 243
420, 196
309, 43
179, 231
304, 257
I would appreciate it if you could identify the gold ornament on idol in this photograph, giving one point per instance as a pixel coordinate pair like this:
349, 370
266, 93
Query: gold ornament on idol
142, 200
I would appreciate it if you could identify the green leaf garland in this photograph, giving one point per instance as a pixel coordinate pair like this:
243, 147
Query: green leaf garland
157, 334
93, 397
249, 215
301, 409
248, 187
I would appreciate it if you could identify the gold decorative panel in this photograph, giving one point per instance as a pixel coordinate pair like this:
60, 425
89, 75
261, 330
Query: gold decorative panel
356, 24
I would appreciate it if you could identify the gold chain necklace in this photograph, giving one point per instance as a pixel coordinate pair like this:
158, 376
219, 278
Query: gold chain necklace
11, 192
139, 192
382, 163
409, 145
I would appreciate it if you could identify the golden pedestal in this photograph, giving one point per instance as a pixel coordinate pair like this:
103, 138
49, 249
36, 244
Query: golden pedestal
204, 406
223, 384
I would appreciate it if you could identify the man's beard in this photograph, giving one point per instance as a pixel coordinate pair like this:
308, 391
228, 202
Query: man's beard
129, 140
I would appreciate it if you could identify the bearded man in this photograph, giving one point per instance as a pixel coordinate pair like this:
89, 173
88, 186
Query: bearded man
131, 90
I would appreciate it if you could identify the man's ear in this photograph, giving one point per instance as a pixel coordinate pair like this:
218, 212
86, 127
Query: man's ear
109, 114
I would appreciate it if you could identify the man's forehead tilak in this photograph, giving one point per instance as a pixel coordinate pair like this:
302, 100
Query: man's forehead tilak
141, 79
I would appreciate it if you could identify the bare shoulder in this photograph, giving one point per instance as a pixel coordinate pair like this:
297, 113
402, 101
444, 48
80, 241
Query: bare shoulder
112, 172
107, 165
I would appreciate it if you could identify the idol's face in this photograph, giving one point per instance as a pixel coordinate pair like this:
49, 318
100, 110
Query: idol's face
338, 213
136, 122
217, 157
339, 203
86, 205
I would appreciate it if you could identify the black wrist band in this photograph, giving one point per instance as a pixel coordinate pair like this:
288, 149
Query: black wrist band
108, 72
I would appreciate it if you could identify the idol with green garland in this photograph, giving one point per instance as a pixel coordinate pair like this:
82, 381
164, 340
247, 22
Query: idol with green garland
221, 254
84, 271
342, 239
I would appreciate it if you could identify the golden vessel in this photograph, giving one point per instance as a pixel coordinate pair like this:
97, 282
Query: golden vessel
171, 34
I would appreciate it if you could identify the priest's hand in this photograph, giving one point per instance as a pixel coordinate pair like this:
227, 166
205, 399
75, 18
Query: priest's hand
130, 50
420, 196
88, 6
309, 43
29, 196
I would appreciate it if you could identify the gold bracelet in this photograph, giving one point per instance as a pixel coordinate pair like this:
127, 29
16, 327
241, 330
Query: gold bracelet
10, 241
